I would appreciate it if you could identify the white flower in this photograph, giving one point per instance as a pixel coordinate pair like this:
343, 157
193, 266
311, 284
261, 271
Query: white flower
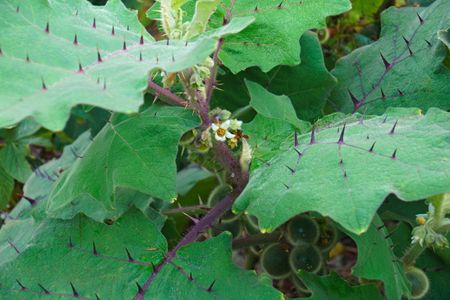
221, 132
235, 125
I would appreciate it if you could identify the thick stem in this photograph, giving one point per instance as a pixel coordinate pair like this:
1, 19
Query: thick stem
412, 254
216, 212
169, 97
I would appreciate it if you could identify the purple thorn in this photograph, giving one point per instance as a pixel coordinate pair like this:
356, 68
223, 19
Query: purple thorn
286, 186
393, 128
13, 246
99, 56
104, 84
22, 287
124, 47
113, 30
185, 44
373, 146
400, 93
313, 136
345, 174
381, 227
190, 277
341, 162
298, 152
141, 41
70, 245
280, 6
97, 297
295, 139
43, 289
387, 65
27, 58
140, 290
17, 9
130, 258
420, 18
128, 27
44, 86
211, 286
428, 43
80, 68
173, 58
140, 56
383, 96
94, 249
32, 201
167, 42
290, 169
394, 155
406, 40
356, 102
75, 40
256, 8
74, 290
47, 28
384, 120
94, 23
157, 60
341, 138
195, 220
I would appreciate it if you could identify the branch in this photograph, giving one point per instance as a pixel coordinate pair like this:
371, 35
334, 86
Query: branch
170, 97
211, 82
191, 236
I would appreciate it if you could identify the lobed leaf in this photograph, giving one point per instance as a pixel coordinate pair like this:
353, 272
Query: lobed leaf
402, 69
347, 175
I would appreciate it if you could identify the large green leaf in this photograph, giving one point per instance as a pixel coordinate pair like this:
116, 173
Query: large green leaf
57, 254
377, 261
136, 152
345, 178
273, 38
307, 84
332, 287
43, 73
13, 159
412, 79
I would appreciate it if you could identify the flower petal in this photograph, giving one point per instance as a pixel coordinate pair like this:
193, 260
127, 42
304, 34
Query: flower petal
225, 124
220, 138
214, 127
229, 135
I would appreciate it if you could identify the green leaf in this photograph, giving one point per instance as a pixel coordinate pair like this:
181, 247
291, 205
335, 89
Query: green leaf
273, 38
272, 106
203, 11
350, 192
6, 187
13, 159
189, 177
364, 9
418, 80
116, 83
136, 152
333, 287
377, 261
307, 84
46, 258
42, 180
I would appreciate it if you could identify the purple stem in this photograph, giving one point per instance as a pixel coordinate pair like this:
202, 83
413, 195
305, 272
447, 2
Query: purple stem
171, 97
191, 236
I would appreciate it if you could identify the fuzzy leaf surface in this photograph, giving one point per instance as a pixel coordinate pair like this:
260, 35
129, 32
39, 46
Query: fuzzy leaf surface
136, 152
351, 191
273, 38
46, 258
410, 80
44, 73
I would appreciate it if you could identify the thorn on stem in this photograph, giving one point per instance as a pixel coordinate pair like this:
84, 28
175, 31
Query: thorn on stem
394, 155
47, 27
420, 18
94, 23
94, 249
22, 287
140, 290
44, 289
341, 138
211, 286
75, 40
130, 258
74, 290
356, 102
387, 65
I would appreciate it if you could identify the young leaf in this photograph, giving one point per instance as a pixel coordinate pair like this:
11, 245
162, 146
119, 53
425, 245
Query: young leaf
403, 68
377, 261
347, 174
307, 84
55, 55
136, 152
273, 38
203, 10
333, 287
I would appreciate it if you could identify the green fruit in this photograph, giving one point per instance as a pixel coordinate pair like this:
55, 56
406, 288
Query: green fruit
420, 284
299, 285
302, 229
328, 234
275, 261
306, 257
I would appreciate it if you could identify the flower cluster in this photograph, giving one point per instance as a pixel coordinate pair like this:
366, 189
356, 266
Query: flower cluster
226, 129
424, 234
